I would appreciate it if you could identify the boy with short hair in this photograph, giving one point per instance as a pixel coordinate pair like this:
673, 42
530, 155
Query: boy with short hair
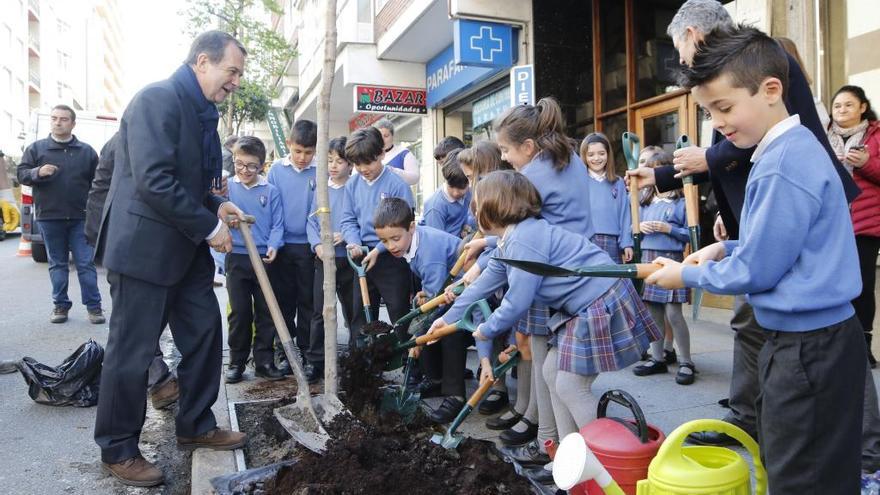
430, 253
443, 148
796, 260
248, 308
294, 176
449, 207
339, 170
388, 277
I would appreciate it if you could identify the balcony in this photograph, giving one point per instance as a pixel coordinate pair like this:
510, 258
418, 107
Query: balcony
34, 79
34, 10
33, 45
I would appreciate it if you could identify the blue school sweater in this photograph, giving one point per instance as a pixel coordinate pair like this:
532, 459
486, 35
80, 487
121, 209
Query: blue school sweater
442, 214
796, 258
566, 202
297, 188
609, 209
435, 254
361, 200
536, 240
313, 229
671, 212
263, 201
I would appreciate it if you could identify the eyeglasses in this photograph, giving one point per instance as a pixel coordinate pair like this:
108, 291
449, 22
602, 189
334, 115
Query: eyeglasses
250, 167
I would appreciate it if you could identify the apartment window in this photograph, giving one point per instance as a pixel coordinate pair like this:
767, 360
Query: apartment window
363, 13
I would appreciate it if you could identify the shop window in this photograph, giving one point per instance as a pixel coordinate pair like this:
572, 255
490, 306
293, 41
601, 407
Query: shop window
612, 35
656, 60
614, 127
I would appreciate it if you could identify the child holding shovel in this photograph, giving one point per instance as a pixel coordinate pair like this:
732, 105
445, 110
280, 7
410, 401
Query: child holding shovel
599, 325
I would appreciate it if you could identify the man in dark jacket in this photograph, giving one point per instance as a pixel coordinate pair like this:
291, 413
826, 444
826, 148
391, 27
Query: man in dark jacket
60, 169
156, 228
728, 168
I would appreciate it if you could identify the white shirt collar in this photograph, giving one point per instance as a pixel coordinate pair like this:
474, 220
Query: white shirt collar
658, 199
448, 198
413, 246
777, 130
333, 185
261, 181
599, 177
288, 163
371, 182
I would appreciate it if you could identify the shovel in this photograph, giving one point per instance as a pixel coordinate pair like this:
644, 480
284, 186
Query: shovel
692, 210
303, 418
396, 397
631, 153
459, 263
451, 439
362, 280
428, 306
638, 271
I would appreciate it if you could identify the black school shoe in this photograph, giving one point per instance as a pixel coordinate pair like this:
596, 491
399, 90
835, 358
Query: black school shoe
447, 411
268, 372
682, 378
429, 388
513, 437
528, 455
498, 423
494, 403
650, 368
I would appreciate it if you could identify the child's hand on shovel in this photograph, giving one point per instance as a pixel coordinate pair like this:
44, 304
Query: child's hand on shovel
437, 325
415, 352
668, 277
486, 371
712, 252
271, 253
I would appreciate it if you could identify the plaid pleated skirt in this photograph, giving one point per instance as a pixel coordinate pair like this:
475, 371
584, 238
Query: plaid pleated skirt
609, 244
657, 294
535, 321
608, 335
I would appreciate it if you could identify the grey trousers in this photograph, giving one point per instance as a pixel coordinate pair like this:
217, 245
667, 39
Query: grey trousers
744, 387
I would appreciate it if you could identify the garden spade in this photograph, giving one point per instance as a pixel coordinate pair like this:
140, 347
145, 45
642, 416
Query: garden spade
362, 280
451, 439
638, 271
428, 306
304, 418
631, 153
459, 263
692, 211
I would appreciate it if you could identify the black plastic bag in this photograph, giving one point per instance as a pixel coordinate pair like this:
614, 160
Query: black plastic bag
251, 481
74, 382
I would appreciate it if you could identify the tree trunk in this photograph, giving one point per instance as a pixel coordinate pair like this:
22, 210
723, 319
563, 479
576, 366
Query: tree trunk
327, 73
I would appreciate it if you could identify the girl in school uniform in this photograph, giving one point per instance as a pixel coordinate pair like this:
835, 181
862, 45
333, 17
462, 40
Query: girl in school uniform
609, 202
600, 324
664, 225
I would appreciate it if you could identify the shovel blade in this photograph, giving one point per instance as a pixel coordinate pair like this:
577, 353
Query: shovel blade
447, 441
395, 399
540, 268
303, 425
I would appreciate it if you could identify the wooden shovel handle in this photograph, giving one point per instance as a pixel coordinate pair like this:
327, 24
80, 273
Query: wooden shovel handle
433, 303
437, 335
692, 204
459, 264
365, 292
478, 394
634, 209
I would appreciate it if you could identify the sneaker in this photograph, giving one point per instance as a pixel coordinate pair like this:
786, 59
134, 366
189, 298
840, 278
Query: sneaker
136, 471
650, 368
165, 395
216, 439
59, 314
96, 317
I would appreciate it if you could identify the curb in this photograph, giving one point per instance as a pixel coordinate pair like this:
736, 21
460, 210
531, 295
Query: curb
206, 463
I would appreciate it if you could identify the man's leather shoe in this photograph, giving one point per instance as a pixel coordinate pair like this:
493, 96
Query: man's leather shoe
712, 438
429, 388
216, 439
284, 368
136, 471
495, 401
447, 411
166, 394
498, 423
513, 437
235, 373
528, 455
268, 372
315, 373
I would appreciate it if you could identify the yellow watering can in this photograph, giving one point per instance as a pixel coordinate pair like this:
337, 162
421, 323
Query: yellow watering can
693, 470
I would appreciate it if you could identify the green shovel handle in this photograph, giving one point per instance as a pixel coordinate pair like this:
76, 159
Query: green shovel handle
361, 271
683, 142
467, 321
631, 148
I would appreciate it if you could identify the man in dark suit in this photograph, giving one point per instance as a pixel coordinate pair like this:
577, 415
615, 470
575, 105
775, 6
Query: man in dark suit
158, 222
728, 169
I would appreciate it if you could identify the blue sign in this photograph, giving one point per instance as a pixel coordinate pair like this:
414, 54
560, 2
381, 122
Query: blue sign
445, 78
484, 44
486, 109
522, 85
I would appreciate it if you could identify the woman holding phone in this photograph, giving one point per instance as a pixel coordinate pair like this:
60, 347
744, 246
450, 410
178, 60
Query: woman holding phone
855, 136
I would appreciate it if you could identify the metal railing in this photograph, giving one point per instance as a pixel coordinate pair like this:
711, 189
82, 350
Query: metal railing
34, 77
35, 6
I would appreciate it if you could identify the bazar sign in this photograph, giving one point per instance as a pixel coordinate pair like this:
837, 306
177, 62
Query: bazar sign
444, 78
384, 99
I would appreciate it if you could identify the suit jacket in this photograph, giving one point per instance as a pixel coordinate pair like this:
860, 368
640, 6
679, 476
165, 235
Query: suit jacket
729, 166
159, 211
99, 189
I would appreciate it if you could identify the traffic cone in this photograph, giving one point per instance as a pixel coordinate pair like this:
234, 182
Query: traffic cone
24, 247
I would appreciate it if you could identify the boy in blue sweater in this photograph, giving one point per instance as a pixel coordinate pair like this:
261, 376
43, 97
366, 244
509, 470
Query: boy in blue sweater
431, 253
388, 277
248, 309
449, 207
294, 176
796, 261
339, 170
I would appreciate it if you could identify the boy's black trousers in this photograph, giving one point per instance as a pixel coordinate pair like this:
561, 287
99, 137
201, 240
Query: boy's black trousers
809, 409
249, 317
295, 289
391, 281
346, 280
